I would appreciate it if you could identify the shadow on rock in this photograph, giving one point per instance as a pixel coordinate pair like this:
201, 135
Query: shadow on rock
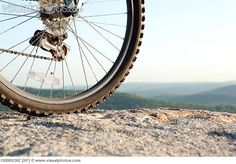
64, 126
222, 133
19, 152
1, 151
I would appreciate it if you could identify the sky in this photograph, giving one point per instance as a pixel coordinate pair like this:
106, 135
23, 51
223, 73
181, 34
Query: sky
187, 41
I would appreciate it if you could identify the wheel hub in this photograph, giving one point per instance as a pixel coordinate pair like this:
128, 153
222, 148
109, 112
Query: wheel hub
55, 15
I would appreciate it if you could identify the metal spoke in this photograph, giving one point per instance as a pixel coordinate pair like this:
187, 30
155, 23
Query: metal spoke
88, 62
103, 23
38, 40
81, 56
13, 59
68, 70
19, 70
63, 78
105, 15
54, 72
103, 1
17, 25
110, 32
8, 63
93, 56
101, 34
30, 68
32, 64
91, 46
44, 78
10, 3
15, 56
15, 16
19, 43
22, 66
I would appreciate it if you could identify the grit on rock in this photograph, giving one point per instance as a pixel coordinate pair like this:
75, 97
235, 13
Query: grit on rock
143, 132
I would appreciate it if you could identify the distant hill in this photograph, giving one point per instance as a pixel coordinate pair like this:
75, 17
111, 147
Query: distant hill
132, 101
128, 101
228, 90
164, 91
224, 95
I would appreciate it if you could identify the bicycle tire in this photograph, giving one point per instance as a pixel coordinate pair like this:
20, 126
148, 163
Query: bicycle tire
17, 99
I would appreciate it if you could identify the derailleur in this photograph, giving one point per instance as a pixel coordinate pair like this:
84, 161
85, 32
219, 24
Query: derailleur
51, 43
56, 18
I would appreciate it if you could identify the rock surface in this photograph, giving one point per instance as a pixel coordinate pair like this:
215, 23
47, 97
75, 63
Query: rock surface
144, 132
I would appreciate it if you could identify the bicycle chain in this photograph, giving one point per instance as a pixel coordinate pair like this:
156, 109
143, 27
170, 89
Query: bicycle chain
2, 50
26, 54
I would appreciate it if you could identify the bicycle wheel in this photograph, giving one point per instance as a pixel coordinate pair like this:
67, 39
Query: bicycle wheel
62, 56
